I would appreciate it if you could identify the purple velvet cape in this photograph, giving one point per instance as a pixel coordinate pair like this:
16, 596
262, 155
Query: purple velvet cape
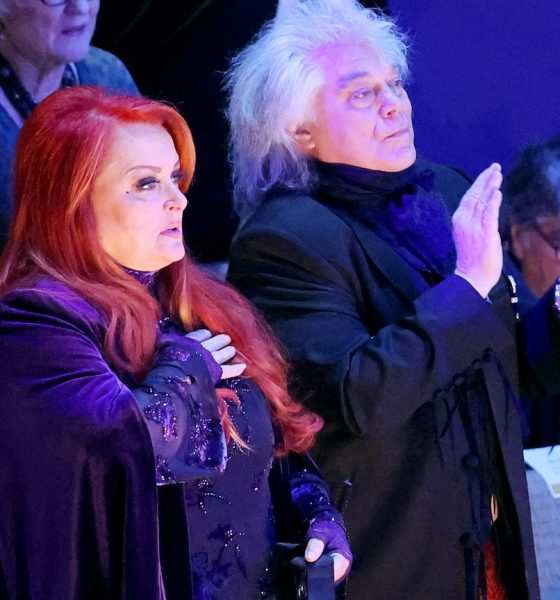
78, 501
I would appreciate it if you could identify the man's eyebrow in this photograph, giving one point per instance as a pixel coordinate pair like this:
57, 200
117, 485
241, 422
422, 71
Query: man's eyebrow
344, 80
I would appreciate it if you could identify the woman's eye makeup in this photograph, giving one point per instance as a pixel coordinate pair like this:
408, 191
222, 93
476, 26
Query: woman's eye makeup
146, 183
151, 182
178, 176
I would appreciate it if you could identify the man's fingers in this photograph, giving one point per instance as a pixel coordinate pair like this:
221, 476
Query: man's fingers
488, 205
480, 185
314, 549
494, 181
492, 213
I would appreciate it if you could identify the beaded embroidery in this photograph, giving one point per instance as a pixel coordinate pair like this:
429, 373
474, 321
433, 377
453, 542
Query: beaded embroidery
161, 410
164, 474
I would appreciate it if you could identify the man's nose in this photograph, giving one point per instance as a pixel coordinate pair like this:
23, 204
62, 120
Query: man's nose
389, 102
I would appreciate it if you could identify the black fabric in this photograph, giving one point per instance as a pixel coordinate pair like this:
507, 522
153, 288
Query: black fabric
385, 356
540, 400
405, 210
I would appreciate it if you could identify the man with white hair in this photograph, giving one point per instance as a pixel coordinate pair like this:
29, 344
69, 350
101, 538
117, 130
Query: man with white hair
396, 317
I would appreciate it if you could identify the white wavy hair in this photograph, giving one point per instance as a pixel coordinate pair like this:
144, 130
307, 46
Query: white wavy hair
273, 82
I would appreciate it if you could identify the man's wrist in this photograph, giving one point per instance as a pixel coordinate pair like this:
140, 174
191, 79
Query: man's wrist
483, 292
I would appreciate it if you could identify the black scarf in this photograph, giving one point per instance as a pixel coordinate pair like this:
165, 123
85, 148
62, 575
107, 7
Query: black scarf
403, 208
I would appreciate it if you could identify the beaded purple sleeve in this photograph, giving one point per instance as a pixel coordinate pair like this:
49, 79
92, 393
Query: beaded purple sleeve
179, 396
332, 535
312, 504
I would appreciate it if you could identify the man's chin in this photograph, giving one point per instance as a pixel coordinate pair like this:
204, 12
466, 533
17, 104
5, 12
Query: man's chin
404, 159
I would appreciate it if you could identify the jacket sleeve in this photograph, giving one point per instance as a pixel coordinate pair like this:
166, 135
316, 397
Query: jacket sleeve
307, 278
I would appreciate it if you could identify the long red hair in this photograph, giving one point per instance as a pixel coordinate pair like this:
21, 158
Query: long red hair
60, 151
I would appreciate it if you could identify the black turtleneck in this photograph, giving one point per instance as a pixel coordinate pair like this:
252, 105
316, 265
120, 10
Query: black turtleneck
402, 207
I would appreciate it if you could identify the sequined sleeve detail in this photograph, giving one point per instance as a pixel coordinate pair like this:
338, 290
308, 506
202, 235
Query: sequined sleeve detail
179, 402
312, 504
164, 476
333, 535
161, 410
310, 494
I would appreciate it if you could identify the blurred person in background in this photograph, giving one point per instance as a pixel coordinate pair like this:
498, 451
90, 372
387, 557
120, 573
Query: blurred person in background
45, 46
530, 227
531, 217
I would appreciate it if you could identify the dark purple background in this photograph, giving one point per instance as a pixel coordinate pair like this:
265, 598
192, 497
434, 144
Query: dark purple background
486, 77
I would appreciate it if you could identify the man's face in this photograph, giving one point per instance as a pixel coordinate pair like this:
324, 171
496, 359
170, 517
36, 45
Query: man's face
362, 114
538, 250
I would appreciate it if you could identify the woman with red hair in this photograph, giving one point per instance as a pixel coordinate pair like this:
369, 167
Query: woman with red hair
104, 395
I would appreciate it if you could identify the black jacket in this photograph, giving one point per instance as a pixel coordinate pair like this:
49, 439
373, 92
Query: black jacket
391, 364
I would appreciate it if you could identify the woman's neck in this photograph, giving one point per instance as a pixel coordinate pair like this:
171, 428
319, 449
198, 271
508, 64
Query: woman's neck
39, 79
146, 278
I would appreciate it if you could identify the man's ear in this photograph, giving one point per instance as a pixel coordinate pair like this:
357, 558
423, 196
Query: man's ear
302, 137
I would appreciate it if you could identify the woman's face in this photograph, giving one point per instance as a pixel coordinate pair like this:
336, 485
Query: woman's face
50, 35
136, 199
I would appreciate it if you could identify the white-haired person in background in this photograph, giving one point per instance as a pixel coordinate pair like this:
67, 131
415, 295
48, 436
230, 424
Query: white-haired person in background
381, 273
44, 46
